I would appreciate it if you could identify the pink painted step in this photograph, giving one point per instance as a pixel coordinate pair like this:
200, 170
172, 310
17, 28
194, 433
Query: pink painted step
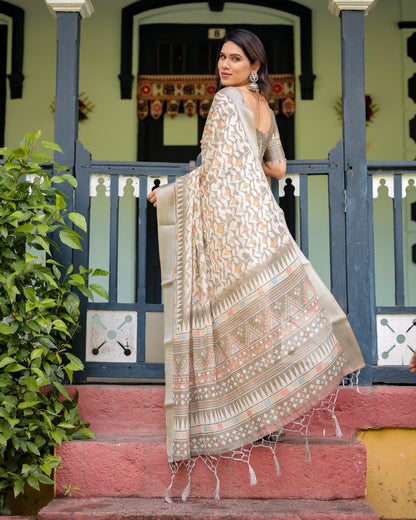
113, 410
136, 466
242, 509
24, 517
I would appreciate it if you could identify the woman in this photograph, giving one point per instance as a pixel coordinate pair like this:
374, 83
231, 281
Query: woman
253, 338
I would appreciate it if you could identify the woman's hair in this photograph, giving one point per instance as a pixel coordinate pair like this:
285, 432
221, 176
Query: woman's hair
253, 48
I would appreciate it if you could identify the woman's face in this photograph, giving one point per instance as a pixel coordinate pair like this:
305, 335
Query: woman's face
233, 66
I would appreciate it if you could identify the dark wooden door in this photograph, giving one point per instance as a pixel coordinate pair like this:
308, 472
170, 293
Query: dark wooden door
3, 62
187, 49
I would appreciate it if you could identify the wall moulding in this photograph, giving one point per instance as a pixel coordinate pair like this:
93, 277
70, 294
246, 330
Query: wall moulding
336, 6
84, 7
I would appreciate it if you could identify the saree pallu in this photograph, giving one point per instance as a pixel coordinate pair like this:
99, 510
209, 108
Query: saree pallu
253, 338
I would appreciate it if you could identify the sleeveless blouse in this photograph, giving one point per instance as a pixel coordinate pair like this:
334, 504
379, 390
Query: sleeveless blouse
270, 145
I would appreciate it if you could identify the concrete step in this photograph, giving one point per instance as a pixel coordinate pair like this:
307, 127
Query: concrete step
136, 466
114, 410
197, 509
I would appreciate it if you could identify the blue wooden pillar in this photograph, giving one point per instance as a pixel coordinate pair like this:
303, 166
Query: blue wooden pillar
67, 73
360, 270
66, 104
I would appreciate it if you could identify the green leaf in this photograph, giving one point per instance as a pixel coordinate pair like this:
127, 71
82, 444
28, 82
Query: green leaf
29, 293
42, 242
5, 329
76, 361
45, 274
6, 361
31, 384
26, 469
28, 404
33, 482
30, 258
46, 468
84, 433
70, 179
18, 214
66, 425
77, 279
59, 325
70, 238
100, 272
60, 203
43, 479
14, 367
7, 253
51, 146
25, 228
86, 292
18, 487
37, 352
78, 220
62, 389
34, 325
33, 448
99, 289
48, 421
56, 436
42, 228
69, 373
71, 304
57, 179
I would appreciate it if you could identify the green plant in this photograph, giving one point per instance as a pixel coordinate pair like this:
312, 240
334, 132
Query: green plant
69, 489
39, 311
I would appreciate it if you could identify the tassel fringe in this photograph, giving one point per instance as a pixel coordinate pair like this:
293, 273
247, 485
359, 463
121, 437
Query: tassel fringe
300, 426
253, 478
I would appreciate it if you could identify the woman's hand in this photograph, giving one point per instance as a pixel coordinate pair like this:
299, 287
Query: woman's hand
412, 364
152, 197
275, 169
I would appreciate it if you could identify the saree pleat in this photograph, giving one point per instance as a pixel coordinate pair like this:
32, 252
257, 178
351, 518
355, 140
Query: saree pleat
253, 338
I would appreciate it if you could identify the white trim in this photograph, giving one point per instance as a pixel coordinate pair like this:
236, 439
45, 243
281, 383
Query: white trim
336, 6
83, 7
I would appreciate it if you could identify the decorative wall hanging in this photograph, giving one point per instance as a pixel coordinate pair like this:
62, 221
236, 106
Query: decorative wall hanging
300, 11
370, 109
84, 107
194, 94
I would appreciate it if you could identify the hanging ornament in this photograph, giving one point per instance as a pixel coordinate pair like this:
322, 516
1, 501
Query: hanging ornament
156, 109
204, 107
288, 107
189, 107
142, 109
274, 105
172, 108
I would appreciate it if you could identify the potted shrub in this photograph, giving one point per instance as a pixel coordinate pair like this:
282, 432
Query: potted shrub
39, 311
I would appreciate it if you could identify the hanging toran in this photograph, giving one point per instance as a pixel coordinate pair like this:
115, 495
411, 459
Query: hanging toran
157, 94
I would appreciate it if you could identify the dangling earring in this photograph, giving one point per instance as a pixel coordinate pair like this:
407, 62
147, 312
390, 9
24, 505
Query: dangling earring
253, 78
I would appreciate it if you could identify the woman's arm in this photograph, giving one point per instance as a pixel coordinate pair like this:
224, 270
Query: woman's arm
274, 161
275, 169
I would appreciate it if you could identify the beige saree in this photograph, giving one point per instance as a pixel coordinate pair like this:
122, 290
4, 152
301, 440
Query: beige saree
253, 338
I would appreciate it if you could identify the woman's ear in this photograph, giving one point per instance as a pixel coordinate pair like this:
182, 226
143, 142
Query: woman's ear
255, 67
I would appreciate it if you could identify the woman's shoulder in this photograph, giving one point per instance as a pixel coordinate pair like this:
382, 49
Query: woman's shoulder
229, 93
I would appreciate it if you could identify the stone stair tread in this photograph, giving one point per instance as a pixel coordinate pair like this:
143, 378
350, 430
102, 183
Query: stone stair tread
136, 466
206, 509
158, 437
142, 407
